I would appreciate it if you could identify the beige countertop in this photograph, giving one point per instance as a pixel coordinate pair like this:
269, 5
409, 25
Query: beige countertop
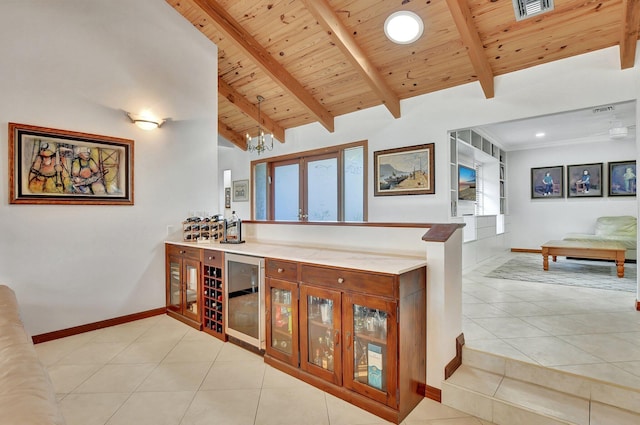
374, 262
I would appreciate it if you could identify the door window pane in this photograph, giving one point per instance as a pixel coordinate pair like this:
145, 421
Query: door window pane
322, 189
354, 184
286, 181
260, 191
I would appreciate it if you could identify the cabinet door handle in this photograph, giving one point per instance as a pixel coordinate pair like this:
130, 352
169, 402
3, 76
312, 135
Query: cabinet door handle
211, 258
182, 252
280, 270
348, 340
336, 337
340, 280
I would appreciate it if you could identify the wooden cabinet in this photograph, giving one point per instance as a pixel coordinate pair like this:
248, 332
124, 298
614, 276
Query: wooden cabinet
213, 304
361, 335
370, 339
183, 268
320, 332
281, 299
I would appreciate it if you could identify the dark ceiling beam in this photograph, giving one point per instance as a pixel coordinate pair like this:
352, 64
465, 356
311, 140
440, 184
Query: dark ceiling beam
239, 101
629, 36
243, 40
228, 133
342, 37
471, 39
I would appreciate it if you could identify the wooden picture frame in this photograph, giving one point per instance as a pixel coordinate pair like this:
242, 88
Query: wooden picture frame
585, 180
52, 166
240, 190
405, 171
547, 182
622, 178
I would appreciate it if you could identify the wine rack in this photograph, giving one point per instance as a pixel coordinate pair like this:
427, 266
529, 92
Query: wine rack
213, 295
197, 229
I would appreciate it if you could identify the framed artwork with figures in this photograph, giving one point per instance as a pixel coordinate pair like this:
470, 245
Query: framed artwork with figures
622, 178
547, 182
52, 166
584, 180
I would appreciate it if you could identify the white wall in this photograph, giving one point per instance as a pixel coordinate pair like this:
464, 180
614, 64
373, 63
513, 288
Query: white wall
78, 65
535, 221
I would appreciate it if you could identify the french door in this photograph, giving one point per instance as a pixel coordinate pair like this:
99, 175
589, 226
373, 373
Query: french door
307, 189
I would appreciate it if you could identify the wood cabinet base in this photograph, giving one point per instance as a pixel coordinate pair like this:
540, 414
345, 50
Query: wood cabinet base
185, 320
371, 406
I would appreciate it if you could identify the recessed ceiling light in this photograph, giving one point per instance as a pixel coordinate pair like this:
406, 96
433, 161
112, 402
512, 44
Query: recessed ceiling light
403, 27
540, 134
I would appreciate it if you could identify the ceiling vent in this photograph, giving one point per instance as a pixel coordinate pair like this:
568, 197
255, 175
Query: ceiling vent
601, 109
527, 8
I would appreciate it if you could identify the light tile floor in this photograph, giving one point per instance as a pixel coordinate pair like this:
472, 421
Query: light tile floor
158, 371
588, 332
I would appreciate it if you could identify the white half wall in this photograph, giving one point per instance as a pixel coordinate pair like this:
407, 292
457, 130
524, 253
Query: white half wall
79, 65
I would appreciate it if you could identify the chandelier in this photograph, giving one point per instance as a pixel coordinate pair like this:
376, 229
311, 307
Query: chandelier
262, 142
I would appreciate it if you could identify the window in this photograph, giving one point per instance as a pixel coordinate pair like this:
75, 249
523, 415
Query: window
327, 184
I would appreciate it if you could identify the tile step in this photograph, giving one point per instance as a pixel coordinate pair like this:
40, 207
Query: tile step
506, 391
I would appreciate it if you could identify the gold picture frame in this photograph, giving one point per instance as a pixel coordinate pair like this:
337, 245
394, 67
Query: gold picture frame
52, 166
405, 171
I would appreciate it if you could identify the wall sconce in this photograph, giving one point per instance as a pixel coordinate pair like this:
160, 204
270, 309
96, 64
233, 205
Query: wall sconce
145, 121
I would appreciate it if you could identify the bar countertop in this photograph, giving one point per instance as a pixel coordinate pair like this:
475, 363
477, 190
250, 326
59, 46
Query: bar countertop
334, 257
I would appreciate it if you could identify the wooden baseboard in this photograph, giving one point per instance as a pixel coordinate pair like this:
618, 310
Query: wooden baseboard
456, 362
433, 393
527, 250
50, 336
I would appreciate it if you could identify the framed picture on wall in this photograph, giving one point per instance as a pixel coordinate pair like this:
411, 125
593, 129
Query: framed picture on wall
547, 182
51, 166
404, 171
584, 180
240, 190
622, 178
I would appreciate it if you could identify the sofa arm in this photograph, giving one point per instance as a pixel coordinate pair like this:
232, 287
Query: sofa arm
26, 392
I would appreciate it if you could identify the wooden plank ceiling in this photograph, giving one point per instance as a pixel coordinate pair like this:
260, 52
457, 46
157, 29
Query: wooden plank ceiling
313, 60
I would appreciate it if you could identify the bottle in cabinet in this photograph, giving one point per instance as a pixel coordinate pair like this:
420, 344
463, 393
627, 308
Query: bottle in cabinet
320, 325
282, 320
370, 347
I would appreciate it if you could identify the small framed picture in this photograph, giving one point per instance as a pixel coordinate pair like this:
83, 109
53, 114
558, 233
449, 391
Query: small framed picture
584, 180
547, 182
622, 178
227, 197
240, 190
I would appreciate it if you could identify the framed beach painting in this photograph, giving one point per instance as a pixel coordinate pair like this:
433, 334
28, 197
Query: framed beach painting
547, 182
405, 171
51, 166
584, 180
622, 178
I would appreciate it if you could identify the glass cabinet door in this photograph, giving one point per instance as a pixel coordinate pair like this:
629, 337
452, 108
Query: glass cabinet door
282, 321
174, 295
191, 283
370, 335
320, 326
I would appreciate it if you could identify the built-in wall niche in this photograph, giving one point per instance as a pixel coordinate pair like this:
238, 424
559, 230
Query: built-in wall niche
477, 175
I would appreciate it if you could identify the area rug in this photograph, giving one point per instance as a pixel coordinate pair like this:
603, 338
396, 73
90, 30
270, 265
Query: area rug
584, 273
